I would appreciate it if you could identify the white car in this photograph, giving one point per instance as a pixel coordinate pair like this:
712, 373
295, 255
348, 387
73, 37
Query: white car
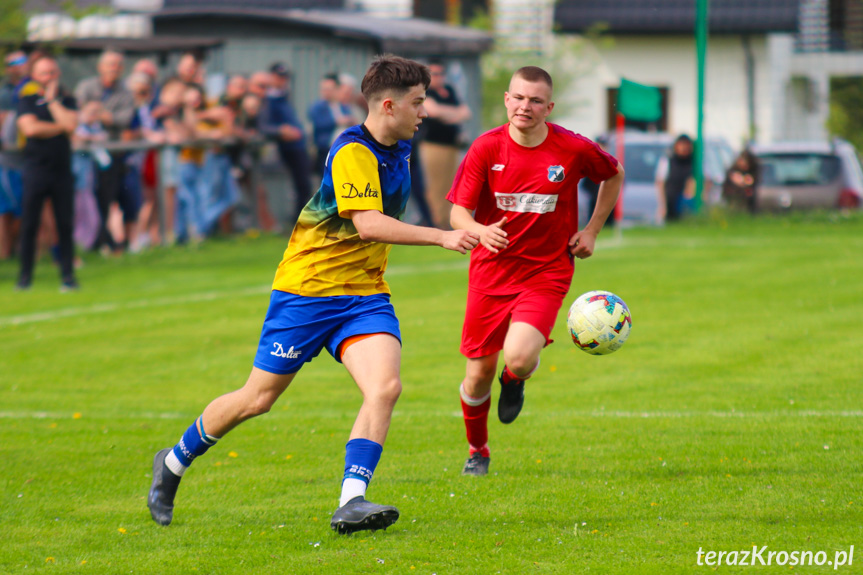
641, 155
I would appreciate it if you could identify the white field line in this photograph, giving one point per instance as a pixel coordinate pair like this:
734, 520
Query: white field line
147, 303
137, 304
713, 414
802, 414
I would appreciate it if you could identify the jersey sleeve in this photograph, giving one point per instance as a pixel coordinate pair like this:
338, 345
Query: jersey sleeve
469, 180
26, 105
599, 164
31, 88
356, 181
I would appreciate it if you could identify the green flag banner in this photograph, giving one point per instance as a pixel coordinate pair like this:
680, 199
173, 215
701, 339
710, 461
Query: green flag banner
639, 102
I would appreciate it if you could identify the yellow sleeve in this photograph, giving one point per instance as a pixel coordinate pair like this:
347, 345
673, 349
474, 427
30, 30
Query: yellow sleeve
356, 181
28, 89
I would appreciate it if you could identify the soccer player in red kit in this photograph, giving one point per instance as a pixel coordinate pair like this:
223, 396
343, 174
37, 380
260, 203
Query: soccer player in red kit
517, 188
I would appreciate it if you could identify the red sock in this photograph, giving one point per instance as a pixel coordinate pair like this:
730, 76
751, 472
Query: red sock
476, 424
508, 376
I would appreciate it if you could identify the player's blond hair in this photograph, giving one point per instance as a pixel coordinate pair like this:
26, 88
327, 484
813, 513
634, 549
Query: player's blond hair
534, 74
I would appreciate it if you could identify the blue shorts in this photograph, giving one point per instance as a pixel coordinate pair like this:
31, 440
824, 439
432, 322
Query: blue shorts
10, 191
297, 328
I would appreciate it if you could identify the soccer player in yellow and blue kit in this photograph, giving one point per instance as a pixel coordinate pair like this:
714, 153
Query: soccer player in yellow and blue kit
329, 292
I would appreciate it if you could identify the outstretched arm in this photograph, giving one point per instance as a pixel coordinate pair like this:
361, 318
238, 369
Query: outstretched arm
375, 226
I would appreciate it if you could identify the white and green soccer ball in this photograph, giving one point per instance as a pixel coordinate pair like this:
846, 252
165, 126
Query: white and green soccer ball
599, 322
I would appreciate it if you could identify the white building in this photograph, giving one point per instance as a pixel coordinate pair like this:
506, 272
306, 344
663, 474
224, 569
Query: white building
769, 63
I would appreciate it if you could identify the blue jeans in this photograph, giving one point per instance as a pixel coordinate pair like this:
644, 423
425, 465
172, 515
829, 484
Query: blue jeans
219, 190
189, 218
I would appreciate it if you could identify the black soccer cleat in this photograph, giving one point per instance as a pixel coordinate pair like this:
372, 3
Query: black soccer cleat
163, 490
359, 514
511, 399
476, 464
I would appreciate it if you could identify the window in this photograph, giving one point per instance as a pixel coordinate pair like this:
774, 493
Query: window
799, 169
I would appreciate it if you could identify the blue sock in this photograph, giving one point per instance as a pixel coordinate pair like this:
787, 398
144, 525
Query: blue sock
194, 442
361, 459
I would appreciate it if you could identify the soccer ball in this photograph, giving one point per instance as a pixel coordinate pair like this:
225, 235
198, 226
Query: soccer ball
599, 322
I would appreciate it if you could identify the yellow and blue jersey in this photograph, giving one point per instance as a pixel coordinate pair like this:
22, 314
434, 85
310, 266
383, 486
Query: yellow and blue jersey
325, 255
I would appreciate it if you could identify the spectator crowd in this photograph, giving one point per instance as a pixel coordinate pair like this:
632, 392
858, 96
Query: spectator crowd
80, 168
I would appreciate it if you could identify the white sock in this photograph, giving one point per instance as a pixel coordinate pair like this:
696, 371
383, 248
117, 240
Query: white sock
172, 463
472, 401
352, 487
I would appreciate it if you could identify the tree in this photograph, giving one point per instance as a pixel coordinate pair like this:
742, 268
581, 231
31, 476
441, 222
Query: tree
13, 24
846, 114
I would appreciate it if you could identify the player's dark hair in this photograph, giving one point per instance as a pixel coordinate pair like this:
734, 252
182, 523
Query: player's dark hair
534, 74
388, 73
334, 77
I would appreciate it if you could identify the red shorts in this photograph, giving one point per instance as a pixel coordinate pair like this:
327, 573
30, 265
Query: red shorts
487, 317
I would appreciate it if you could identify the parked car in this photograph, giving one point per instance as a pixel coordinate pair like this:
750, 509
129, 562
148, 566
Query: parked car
801, 175
642, 152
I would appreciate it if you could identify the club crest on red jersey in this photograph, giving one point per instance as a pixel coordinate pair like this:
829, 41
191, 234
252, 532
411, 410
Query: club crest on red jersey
556, 174
505, 201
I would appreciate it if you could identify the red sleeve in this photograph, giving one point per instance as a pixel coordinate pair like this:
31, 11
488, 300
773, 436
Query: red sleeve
599, 165
470, 179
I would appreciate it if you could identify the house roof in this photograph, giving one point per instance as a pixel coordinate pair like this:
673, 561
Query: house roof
407, 36
677, 16
133, 45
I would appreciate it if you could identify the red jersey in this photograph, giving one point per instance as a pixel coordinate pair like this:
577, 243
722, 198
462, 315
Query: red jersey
537, 190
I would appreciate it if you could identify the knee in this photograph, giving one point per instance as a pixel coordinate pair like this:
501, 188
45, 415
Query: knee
480, 375
258, 404
388, 392
520, 362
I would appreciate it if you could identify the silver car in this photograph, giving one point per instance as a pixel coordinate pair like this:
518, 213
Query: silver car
805, 175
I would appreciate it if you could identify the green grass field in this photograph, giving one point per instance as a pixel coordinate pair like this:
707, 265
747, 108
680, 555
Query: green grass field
731, 418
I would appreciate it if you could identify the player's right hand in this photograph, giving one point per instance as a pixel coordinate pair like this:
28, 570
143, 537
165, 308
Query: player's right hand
493, 238
460, 241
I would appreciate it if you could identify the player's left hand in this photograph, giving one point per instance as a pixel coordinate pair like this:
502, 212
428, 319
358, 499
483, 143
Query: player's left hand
581, 244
